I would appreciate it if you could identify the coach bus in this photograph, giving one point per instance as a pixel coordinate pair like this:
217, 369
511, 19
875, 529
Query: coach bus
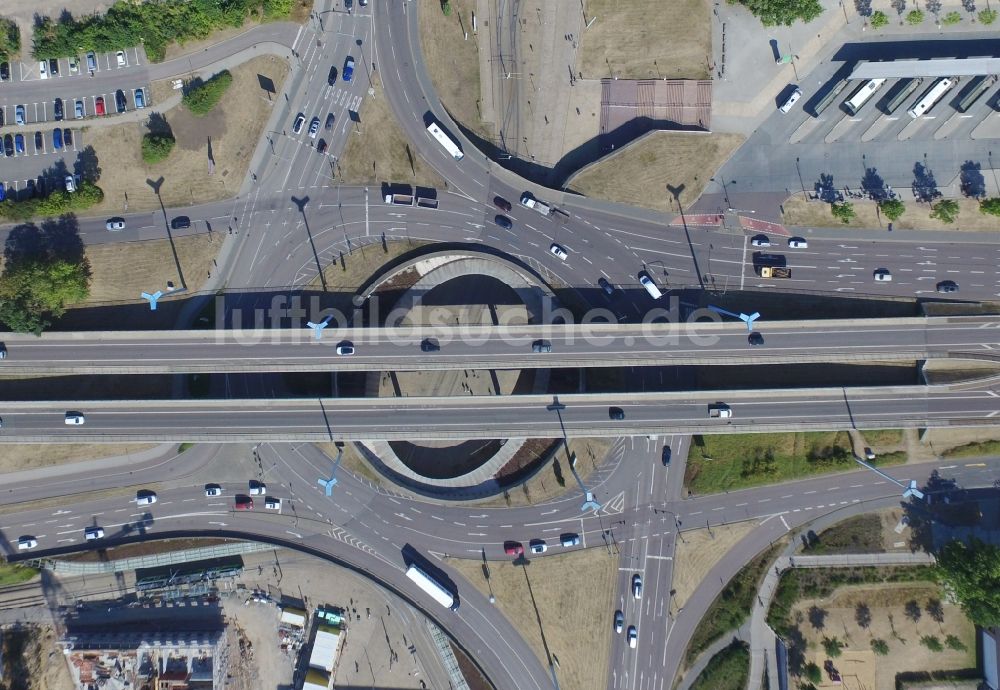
834, 91
931, 96
861, 96
445, 141
434, 588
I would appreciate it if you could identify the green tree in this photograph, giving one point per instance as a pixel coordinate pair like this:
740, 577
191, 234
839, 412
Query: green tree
833, 647
156, 147
880, 647
845, 211
782, 12
10, 38
951, 18
891, 208
813, 673
932, 643
446, 8
953, 642
914, 17
879, 19
990, 207
36, 289
987, 17
972, 573
202, 96
945, 210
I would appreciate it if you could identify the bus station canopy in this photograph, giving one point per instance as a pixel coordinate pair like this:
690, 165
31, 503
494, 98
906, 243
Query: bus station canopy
897, 69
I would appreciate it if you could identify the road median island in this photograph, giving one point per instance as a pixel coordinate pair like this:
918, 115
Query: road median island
799, 212
567, 596
728, 670
727, 462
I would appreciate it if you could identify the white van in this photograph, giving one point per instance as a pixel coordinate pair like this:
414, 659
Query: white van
650, 286
792, 100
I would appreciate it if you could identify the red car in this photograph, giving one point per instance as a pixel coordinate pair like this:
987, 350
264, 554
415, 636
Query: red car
243, 503
99, 105
513, 548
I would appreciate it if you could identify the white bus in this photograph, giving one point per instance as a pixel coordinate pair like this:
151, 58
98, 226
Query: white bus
861, 96
449, 145
432, 587
930, 97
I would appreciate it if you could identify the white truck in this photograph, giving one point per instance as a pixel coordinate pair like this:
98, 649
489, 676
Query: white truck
528, 201
399, 199
720, 410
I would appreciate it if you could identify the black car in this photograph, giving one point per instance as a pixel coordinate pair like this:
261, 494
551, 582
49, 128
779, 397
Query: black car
503, 222
39, 141
1, 117
67, 137
321, 146
430, 345
501, 203
329, 122
541, 346
755, 339
332, 78
947, 286
120, 101
57, 110
608, 288
666, 455
616, 413
4, 71
8, 145
180, 223
53, 66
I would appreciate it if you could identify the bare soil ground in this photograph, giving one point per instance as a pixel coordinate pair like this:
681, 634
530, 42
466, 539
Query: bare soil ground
122, 271
559, 593
698, 552
647, 39
32, 660
232, 130
888, 607
916, 217
641, 173
382, 152
25, 456
453, 62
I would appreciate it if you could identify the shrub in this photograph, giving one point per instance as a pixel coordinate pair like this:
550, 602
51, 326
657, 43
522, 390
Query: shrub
914, 17
990, 207
879, 19
951, 18
10, 38
932, 643
945, 210
880, 647
446, 8
953, 642
203, 95
891, 208
833, 647
156, 147
845, 211
58, 203
813, 673
987, 17
782, 12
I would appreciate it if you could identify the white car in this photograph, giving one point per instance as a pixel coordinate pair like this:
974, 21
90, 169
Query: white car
120, 56
25, 543
43, 70
792, 100
637, 586
558, 251
882, 275
345, 349
74, 418
257, 488
272, 503
145, 497
92, 533
760, 241
632, 635
798, 243
212, 490
538, 546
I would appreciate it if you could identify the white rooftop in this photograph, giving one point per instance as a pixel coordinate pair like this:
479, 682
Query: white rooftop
958, 67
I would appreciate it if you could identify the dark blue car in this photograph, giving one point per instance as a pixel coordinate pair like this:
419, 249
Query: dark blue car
348, 72
57, 141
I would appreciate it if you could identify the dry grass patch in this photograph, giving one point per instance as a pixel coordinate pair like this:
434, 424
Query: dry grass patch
29, 456
697, 552
352, 461
641, 173
382, 152
123, 270
916, 217
362, 264
233, 127
452, 61
643, 39
578, 633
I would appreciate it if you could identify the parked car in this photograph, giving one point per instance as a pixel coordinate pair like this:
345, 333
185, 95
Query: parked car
297, 125
345, 349
91, 61
78, 109
74, 65
53, 66
212, 490
4, 71
542, 346
140, 99
616, 413
791, 101
39, 142
120, 57
503, 222
538, 546
760, 241
19, 114
115, 224
57, 109
512, 548
43, 70
120, 103
637, 586
501, 203
3, 191
67, 137
180, 223
882, 275
329, 122
869, 454
8, 145
348, 68
557, 250
99, 105
314, 128
57, 139
257, 488
331, 78
798, 243
70, 183
19, 143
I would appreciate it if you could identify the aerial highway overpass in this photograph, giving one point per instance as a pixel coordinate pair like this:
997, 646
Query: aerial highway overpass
501, 347
527, 416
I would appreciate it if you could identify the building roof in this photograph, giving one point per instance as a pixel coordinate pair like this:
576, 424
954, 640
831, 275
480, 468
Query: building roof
324, 649
959, 67
316, 680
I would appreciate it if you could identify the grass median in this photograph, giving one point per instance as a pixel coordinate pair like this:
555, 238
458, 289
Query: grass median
728, 670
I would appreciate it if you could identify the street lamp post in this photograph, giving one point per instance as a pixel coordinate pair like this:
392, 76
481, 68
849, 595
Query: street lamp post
589, 503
